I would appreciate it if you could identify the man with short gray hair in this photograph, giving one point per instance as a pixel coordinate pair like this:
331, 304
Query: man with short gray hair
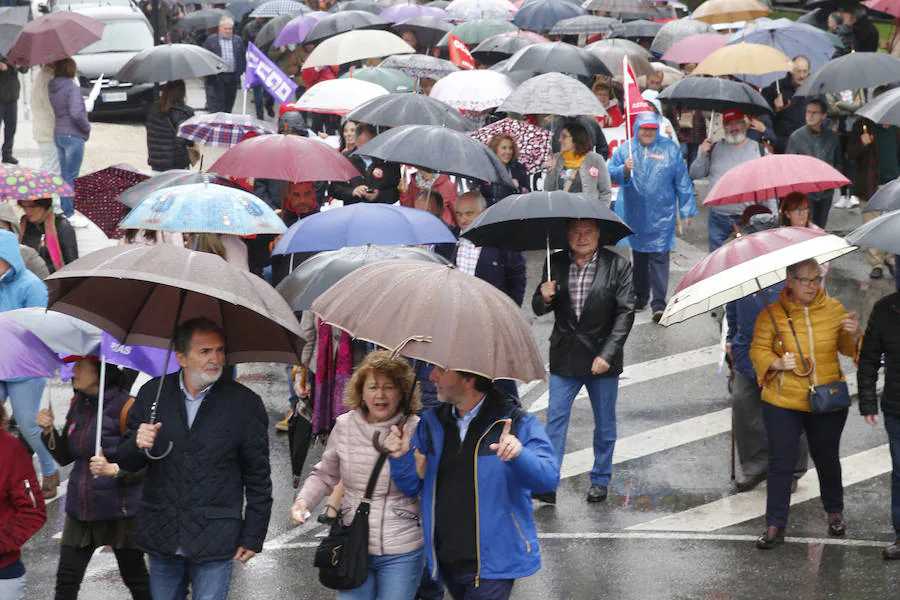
233, 52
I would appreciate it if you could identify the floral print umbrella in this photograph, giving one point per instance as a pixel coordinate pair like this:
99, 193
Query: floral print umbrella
20, 183
96, 193
533, 142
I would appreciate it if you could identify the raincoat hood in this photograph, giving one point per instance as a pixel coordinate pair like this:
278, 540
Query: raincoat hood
9, 251
646, 117
8, 215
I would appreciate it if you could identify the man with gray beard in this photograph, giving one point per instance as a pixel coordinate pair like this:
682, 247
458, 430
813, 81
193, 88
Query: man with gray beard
714, 160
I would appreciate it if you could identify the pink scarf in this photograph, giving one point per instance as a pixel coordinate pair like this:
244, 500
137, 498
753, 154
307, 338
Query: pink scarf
332, 375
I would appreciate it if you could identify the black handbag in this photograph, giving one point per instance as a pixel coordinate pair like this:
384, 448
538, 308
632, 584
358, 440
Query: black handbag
343, 556
828, 396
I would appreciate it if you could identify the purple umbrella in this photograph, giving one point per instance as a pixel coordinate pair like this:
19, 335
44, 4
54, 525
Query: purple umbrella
297, 29
402, 12
23, 354
146, 359
21, 183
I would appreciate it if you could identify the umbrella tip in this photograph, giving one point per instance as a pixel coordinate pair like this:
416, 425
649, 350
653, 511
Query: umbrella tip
413, 338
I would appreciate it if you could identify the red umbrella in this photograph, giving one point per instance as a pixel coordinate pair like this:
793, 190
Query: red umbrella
96, 194
52, 37
695, 48
886, 6
774, 176
285, 157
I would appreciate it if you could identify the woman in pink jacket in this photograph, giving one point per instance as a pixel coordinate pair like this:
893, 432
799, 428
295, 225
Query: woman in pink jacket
381, 394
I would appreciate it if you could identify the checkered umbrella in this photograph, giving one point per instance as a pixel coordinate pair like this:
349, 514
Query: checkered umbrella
276, 8
533, 142
420, 66
222, 129
96, 194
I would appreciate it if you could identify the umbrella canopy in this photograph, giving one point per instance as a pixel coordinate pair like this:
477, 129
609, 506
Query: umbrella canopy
553, 94
428, 30
204, 208
409, 109
393, 80
275, 8
270, 30
612, 52
364, 5
587, 24
533, 142
747, 265
285, 157
221, 129
640, 28
854, 71
473, 90
134, 292
886, 6
542, 15
205, 18
21, 183
63, 334
54, 36
356, 45
471, 325
475, 32
438, 149
468, 10
557, 57
170, 62
643, 8
12, 19
342, 22
402, 12
133, 195
695, 48
882, 233
713, 93
745, 59
499, 47
361, 224
315, 275
730, 11
886, 198
884, 110
23, 354
420, 66
675, 31
296, 30
96, 194
441, 4
338, 96
774, 176
671, 75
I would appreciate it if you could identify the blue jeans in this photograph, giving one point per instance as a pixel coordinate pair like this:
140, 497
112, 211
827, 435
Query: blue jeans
25, 397
70, 150
720, 228
170, 576
391, 577
892, 425
12, 589
602, 392
650, 275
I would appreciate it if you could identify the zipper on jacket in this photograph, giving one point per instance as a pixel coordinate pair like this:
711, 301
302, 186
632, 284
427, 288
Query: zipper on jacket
477, 516
812, 345
434, 571
522, 533
30, 493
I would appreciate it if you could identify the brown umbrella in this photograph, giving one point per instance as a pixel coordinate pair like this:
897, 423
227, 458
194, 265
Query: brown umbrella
744, 59
471, 325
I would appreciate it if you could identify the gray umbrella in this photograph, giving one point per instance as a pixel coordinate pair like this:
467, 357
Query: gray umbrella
713, 93
553, 94
611, 53
428, 30
170, 62
634, 7
556, 57
364, 5
881, 233
317, 274
587, 24
641, 28
886, 198
854, 71
12, 19
394, 110
885, 109
499, 47
205, 18
674, 31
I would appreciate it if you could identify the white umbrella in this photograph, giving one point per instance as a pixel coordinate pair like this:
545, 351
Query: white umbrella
467, 10
356, 45
473, 90
339, 96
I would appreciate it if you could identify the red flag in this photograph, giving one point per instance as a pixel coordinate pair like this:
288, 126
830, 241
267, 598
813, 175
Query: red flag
634, 102
459, 54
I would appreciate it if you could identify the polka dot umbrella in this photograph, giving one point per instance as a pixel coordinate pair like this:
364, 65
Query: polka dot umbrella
20, 183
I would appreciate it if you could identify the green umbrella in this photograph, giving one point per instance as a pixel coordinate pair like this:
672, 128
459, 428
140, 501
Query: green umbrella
394, 81
475, 32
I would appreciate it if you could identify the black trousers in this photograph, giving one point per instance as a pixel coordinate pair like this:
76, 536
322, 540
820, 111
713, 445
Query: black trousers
226, 91
74, 561
9, 115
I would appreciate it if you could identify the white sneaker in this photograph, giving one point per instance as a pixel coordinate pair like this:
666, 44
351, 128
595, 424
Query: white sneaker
854, 202
841, 202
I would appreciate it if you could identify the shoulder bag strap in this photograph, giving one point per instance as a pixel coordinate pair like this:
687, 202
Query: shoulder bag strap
799, 349
373, 478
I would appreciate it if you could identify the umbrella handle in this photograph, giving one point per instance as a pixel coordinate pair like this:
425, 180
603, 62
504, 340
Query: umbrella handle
162, 378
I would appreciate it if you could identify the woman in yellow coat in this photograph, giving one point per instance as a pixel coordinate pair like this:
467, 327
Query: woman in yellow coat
823, 329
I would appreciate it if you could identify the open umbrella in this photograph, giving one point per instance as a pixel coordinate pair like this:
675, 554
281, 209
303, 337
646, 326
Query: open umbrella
285, 157
363, 5
882, 233
747, 265
402, 12
23, 354
204, 208
428, 30
475, 32
774, 176
542, 15
133, 195
640, 28
420, 66
675, 31
296, 30
612, 52
54, 36
713, 93
557, 57
21, 183
695, 48
310, 280
361, 224
12, 19
393, 80
469, 326
409, 109
222, 129
467, 10
63, 334
533, 142
338, 96
473, 90
342, 22
884, 110
553, 94
440, 150
169, 62
499, 47
270, 30
745, 59
587, 24
886, 6
275, 8
205, 18
96, 194
886, 198
356, 45
730, 11
854, 71
644, 8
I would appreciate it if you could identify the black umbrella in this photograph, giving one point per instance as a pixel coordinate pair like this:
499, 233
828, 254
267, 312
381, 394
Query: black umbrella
818, 18
300, 433
205, 18
712, 93
12, 19
638, 29
587, 24
886, 198
499, 47
363, 5
428, 30
881, 233
270, 30
342, 22
884, 110
394, 110
539, 220
133, 195
641, 8
854, 71
170, 62
310, 280
438, 149
556, 57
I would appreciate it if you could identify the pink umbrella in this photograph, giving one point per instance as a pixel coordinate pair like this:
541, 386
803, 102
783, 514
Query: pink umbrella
774, 176
695, 48
886, 6
52, 37
286, 157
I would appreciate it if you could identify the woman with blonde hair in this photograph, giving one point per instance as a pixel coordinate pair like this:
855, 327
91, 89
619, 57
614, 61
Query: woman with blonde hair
507, 150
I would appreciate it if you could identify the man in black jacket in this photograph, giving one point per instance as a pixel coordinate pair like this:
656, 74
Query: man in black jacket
377, 181
233, 51
882, 338
193, 520
864, 30
790, 112
589, 291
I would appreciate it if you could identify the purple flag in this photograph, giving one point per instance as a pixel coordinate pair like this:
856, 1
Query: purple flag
261, 70
148, 359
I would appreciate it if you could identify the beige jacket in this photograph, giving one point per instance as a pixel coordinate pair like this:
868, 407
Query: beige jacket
394, 518
44, 118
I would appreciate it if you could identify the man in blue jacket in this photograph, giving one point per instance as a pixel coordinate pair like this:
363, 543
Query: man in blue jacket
481, 459
655, 189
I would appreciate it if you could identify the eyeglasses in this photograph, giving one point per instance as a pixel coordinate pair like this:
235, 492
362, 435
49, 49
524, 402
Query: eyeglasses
808, 280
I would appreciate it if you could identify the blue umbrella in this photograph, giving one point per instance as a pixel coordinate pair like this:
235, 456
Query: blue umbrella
794, 39
361, 224
204, 208
23, 354
542, 15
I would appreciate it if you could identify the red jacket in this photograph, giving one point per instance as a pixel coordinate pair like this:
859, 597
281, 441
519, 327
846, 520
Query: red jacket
443, 186
22, 511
